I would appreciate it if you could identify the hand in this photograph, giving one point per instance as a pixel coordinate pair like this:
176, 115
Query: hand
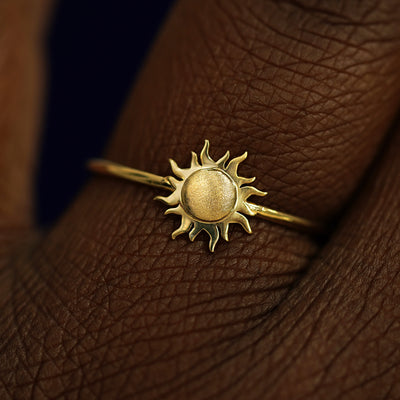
106, 305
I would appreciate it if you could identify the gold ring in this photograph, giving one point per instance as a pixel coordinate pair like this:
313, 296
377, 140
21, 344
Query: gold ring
209, 195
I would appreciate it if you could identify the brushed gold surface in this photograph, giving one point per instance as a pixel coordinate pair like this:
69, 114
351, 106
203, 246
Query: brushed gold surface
209, 195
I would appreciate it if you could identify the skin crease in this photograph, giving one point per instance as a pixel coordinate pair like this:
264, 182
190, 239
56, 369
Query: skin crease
106, 305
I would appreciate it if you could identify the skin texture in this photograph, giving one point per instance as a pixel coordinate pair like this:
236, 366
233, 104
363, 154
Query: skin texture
106, 305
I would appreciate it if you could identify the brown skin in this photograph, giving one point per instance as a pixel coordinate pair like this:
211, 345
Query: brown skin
106, 305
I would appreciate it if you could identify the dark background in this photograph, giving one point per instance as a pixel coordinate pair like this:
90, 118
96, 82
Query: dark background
95, 50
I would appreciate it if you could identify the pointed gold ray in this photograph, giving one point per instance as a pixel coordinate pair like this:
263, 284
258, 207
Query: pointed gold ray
174, 182
224, 227
213, 232
176, 210
197, 228
204, 156
179, 172
248, 191
221, 162
184, 227
234, 163
194, 163
171, 200
238, 218
244, 181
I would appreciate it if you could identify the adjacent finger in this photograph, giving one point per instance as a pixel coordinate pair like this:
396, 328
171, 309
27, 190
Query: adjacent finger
21, 82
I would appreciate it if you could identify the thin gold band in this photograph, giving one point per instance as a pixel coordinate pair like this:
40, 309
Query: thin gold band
110, 168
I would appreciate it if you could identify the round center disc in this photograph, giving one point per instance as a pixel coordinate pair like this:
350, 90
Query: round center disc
209, 195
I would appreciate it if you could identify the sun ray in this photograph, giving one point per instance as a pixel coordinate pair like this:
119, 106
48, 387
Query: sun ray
174, 182
204, 156
240, 219
213, 232
244, 181
171, 200
176, 210
186, 223
194, 163
232, 167
179, 172
224, 227
197, 228
248, 191
221, 162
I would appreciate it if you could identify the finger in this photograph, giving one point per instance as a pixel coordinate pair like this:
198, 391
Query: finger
21, 78
309, 92
341, 325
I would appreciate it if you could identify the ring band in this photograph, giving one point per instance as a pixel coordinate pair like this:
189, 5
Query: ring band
208, 196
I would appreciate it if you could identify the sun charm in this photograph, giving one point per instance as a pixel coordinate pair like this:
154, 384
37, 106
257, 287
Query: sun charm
209, 196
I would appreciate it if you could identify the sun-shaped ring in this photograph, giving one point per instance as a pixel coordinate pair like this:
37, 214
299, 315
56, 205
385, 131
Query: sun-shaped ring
209, 195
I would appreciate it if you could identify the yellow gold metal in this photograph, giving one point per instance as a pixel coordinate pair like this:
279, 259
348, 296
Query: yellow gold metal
110, 168
209, 195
